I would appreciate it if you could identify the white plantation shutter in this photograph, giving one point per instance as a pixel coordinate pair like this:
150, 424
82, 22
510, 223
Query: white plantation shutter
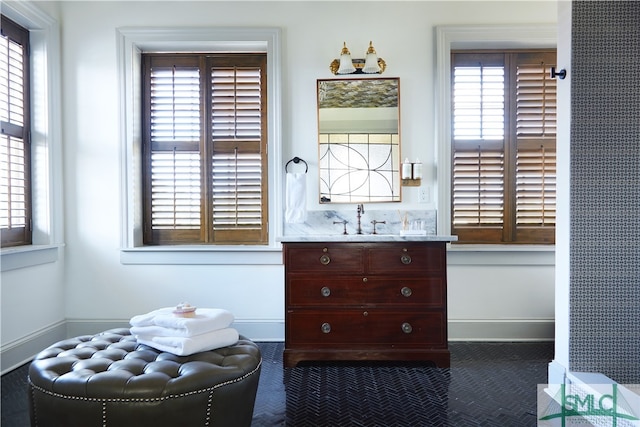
503, 147
189, 199
15, 180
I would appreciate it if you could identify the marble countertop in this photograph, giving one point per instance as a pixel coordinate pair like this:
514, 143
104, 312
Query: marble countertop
367, 238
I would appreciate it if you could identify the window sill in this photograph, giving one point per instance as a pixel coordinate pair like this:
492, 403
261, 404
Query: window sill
17, 257
202, 255
501, 254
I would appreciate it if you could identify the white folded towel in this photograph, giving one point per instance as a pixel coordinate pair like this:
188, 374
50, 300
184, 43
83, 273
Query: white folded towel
183, 346
296, 198
205, 320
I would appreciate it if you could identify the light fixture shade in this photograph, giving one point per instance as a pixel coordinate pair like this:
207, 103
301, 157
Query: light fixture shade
346, 65
371, 62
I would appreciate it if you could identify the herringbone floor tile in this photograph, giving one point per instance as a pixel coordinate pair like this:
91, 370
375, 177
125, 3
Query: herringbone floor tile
488, 384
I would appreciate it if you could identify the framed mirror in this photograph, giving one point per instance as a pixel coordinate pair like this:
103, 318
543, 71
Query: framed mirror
359, 140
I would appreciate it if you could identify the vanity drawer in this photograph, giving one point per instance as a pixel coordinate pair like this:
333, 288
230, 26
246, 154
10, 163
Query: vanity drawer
406, 258
366, 327
324, 258
363, 291
422, 291
325, 290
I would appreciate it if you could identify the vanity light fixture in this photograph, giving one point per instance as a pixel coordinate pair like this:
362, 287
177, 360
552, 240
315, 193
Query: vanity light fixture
346, 64
371, 64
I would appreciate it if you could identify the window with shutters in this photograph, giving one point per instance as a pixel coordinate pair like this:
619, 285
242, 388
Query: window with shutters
204, 149
15, 176
503, 146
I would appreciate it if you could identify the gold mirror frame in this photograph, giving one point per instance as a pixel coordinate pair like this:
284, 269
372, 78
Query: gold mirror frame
359, 140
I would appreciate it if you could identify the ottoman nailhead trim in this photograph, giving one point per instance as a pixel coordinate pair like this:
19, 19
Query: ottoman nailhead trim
210, 390
35, 411
209, 408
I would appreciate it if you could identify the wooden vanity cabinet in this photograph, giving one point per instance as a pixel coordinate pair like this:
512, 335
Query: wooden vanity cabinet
365, 301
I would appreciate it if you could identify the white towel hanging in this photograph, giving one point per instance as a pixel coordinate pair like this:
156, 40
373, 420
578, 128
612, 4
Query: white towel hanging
296, 198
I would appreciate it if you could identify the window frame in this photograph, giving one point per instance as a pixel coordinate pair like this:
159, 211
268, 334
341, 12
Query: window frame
506, 149
209, 146
448, 38
21, 236
46, 149
132, 41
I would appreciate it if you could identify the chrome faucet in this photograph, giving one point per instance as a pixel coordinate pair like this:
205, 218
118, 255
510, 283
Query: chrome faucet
344, 223
374, 222
360, 212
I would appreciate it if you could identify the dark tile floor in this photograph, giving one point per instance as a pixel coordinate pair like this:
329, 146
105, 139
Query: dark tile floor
488, 384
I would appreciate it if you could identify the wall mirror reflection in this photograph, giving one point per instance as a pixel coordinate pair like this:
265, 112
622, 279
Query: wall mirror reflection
359, 140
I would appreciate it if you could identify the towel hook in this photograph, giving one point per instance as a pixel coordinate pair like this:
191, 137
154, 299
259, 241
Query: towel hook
559, 74
297, 160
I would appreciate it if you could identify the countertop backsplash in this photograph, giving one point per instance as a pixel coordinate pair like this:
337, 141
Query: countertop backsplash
322, 222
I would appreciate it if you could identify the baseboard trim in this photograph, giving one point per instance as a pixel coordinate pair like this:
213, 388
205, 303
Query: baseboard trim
78, 327
501, 330
19, 352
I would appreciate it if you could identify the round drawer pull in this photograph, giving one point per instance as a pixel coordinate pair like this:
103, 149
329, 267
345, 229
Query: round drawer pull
406, 259
406, 291
325, 291
406, 328
365, 314
326, 328
325, 259
365, 280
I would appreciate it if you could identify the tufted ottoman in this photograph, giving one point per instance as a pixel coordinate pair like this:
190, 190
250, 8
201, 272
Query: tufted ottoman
109, 379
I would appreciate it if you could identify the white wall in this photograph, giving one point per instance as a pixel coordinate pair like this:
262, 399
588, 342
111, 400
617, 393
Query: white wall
500, 295
99, 289
32, 311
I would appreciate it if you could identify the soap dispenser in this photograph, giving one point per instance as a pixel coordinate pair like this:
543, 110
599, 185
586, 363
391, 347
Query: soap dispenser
417, 169
406, 169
